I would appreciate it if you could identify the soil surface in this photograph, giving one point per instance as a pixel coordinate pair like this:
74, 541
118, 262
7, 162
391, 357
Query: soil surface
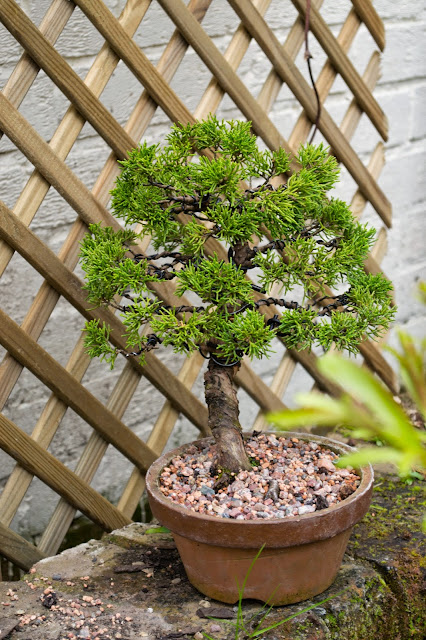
290, 477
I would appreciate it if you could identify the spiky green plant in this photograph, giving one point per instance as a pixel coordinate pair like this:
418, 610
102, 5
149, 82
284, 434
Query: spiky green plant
217, 208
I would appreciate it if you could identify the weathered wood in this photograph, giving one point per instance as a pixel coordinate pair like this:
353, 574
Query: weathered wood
70, 83
73, 394
54, 170
26, 70
89, 462
285, 67
372, 20
56, 475
346, 69
16, 549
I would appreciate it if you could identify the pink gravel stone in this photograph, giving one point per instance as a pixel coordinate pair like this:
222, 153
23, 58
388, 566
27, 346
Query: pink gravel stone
325, 463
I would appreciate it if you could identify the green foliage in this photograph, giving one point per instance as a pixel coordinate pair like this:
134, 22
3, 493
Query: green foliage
412, 362
183, 334
369, 410
211, 182
215, 281
109, 271
97, 342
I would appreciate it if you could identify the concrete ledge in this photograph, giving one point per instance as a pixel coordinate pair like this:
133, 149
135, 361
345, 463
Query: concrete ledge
131, 584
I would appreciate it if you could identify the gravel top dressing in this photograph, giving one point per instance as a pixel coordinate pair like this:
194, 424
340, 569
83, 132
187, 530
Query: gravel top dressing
291, 477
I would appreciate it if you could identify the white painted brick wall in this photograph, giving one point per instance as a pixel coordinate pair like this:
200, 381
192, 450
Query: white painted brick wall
401, 92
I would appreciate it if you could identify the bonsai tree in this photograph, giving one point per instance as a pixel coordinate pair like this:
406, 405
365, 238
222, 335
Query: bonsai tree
218, 210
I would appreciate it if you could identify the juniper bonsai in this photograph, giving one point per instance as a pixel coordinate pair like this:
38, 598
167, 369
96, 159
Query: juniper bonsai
218, 209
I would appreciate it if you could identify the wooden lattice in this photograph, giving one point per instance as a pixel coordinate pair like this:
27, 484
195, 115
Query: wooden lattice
57, 270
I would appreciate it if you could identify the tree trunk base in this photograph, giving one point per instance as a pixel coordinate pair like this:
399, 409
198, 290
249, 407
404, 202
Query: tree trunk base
222, 403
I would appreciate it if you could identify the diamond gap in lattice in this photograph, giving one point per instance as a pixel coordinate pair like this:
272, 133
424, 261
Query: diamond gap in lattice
26, 402
281, 16
158, 128
154, 32
220, 24
10, 52
345, 188
248, 410
18, 286
62, 331
184, 430
191, 79
254, 68
121, 93
53, 220
301, 381
337, 104
70, 439
88, 156
285, 113
79, 42
361, 49
365, 139
35, 511
99, 379
147, 401
112, 474
15, 171
44, 105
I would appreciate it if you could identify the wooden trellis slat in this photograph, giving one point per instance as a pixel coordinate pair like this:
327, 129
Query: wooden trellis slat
17, 549
369, 16
91, 206
50, 372
56, 475
70, 83
26, 70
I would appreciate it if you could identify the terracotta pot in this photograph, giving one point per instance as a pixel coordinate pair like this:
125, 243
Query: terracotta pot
301, 556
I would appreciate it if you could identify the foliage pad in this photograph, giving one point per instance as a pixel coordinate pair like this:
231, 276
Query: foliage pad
212, 182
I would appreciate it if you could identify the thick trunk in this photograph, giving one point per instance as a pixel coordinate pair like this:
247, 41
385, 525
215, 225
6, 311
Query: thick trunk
222, 403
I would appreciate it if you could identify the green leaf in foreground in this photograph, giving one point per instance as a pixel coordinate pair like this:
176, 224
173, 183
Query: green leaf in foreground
158, 530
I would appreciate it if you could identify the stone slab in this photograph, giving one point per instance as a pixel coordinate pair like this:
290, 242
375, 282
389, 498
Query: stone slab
131, 584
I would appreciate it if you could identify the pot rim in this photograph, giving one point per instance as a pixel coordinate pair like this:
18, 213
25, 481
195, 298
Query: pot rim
296, 529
